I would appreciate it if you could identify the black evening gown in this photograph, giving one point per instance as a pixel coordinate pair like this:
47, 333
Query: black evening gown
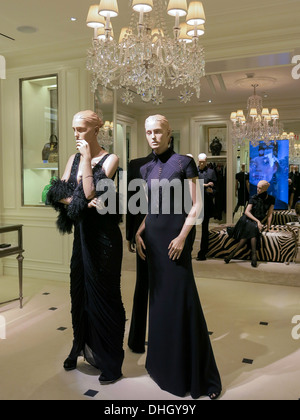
98, 314
138, 324
180, 357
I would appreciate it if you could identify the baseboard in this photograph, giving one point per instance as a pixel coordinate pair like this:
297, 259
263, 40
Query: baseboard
38, 273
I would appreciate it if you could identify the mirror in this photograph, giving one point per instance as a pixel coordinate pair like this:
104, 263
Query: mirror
104, 108
176, 141
39, 136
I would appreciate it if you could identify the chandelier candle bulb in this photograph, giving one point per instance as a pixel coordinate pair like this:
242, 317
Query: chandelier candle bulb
103, 33
274, 114
233, 117
184, 36
265, 112
94, 20
198, 30
196, 15
144, 6
108, 8
177, 8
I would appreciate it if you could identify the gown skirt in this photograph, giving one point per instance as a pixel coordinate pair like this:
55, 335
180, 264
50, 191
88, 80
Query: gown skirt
245, 228
98, 315
180, 358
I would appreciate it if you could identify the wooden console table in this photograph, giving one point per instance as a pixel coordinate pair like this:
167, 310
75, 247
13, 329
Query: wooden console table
13, 250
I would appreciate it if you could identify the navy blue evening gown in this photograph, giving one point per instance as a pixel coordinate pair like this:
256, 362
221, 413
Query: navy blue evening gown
180, 358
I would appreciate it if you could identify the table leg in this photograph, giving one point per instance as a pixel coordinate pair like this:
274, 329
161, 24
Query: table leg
20, 259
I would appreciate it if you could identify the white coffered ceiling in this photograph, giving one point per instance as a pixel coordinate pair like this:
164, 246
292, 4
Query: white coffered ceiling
244, 41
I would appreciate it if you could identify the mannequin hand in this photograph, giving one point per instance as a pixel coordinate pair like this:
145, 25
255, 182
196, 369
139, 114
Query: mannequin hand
140, 246
84, 148
176, 247
92, 203
131, 246
260, 226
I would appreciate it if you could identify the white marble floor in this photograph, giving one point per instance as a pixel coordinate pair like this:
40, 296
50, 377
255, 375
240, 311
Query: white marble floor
249, 313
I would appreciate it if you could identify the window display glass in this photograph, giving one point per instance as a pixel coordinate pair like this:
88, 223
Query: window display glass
39, 137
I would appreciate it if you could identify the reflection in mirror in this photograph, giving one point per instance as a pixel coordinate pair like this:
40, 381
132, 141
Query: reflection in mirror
104, 108
176, 141
39, 137
128, 140
241, 181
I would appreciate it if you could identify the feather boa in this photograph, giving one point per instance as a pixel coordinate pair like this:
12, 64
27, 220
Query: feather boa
61, 189
68, 214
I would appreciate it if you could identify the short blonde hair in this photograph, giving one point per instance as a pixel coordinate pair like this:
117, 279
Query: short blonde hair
160, 118
90, 117
263, 184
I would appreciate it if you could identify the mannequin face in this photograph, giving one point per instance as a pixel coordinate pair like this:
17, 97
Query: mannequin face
157, 134
202, 163
84, 130
262, 187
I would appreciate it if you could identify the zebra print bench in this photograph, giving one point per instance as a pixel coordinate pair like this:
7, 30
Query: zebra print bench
280, 245
282, 217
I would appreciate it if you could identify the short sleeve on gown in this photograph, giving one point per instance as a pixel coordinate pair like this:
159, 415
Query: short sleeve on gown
191, 169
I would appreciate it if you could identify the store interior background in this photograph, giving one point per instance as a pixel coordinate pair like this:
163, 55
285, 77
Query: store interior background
242, 40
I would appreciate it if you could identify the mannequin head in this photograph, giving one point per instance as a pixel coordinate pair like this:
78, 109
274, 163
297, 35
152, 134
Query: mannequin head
262, 186
86, 125
202, 158
158, 133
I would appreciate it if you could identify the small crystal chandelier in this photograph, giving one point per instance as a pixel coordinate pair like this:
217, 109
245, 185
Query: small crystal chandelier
259, 125
146, 59
105, 136
294, 146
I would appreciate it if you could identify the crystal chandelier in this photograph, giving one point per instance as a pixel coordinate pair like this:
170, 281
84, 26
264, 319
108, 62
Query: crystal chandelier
146, 58
294, 145
105, 136
259, 125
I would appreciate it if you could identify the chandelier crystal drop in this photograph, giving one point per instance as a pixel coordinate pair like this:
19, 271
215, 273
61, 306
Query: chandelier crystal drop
146, 58
259, 125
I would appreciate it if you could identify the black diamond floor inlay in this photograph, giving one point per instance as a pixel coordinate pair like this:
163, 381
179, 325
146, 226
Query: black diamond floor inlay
61, 328
263, 323
91, 393
248, 361
52, 308
46, 293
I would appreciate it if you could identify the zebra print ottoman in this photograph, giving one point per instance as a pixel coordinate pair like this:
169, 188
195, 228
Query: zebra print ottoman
280, 245
282, 217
